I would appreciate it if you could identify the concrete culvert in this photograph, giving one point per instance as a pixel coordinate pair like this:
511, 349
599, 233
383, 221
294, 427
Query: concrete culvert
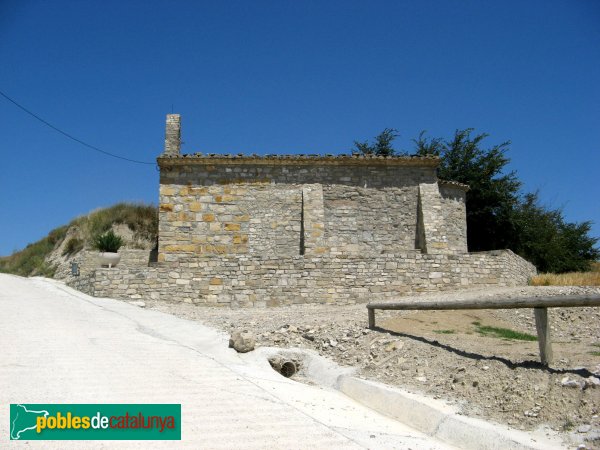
285, 367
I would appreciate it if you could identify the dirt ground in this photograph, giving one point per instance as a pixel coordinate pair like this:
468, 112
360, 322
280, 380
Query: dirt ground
445, 355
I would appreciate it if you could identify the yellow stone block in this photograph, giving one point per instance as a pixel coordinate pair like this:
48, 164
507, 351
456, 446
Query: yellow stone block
208, 217
218, 249
167, 190
180, 248
216, 281
232, 227
240, 239
439, 245
166, 207
195, 206
242, 218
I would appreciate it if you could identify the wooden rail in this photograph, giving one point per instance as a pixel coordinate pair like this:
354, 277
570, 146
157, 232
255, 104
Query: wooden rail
540, 307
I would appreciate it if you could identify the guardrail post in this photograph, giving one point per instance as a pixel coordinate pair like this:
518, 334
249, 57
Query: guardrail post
543, 332
371, 318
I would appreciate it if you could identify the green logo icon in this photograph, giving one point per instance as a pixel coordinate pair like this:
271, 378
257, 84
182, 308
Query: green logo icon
95, 422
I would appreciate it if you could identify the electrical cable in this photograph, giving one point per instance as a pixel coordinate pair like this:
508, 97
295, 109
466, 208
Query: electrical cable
69, 136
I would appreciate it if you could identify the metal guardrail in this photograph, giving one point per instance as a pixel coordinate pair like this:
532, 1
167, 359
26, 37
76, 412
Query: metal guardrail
540, 306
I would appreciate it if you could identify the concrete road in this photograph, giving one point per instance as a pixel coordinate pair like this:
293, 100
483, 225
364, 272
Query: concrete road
58, 345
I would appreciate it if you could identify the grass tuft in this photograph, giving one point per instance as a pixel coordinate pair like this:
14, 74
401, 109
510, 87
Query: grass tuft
444, 331
503, 333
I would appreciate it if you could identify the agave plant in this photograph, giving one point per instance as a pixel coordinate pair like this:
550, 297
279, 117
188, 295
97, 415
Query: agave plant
107, 242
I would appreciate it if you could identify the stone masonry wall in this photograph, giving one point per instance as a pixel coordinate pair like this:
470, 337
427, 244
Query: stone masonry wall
88, 261
247, 280
453, 201
359, 220
264, 208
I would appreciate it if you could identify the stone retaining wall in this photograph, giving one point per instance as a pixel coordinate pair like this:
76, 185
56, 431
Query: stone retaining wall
246, 280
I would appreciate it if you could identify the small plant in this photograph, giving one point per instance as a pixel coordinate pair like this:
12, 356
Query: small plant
444, 331
503, 333
568, 424
73, 245
107, 242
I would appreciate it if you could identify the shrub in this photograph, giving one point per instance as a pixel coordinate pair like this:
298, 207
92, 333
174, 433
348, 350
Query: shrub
73, 245
107, 242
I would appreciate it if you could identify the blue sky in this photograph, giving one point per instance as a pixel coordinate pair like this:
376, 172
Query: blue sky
287, 77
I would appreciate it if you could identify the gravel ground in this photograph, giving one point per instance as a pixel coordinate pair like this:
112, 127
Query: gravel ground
445, 355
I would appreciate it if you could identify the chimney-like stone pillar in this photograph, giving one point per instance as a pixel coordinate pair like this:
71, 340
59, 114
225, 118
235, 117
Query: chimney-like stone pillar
173, 135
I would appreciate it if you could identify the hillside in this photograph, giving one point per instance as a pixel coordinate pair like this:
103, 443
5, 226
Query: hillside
137, 224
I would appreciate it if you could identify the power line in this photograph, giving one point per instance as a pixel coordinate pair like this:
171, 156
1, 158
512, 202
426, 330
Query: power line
70, 136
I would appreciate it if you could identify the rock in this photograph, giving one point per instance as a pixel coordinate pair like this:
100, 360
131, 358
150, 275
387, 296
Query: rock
308, 336
421, 379
592, 382
139, 303
242, 341
567, 382
293, 329
584, 428
394, 345
458, 378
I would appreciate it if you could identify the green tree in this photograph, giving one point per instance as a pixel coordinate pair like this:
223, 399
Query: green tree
498, 215
493, 194
548, 241
382, 145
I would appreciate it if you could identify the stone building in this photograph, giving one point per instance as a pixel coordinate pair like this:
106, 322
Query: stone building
291, 205
239, 230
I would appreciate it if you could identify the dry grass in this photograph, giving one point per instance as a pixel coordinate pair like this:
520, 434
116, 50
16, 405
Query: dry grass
141, 219
591, 278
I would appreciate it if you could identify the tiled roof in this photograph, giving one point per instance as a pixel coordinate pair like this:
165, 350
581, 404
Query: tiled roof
455, 184
211, 158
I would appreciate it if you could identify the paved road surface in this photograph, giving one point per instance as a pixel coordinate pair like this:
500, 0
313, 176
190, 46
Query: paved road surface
60, 346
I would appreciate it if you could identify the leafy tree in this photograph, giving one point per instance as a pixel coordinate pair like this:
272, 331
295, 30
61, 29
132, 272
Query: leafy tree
553, 245
382, 145
493, 194
498, 215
